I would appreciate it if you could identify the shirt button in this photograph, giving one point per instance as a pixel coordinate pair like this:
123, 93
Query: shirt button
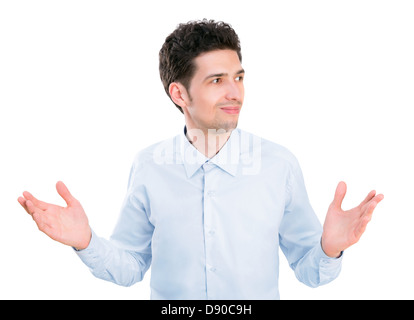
211, 193
211, 232
212, 269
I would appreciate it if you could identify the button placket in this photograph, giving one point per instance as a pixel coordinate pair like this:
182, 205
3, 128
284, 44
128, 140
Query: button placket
209, 227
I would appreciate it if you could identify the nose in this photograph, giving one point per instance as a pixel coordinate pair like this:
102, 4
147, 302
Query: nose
235, 91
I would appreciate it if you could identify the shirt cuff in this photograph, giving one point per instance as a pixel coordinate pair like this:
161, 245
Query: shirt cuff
89, 254
329, 268
326, 256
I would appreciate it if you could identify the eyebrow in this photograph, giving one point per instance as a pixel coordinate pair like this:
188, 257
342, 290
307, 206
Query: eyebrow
219, 75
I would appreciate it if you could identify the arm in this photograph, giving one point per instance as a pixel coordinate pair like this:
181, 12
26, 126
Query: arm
122, 261
300, 236
108, 261
127, 256
315, 253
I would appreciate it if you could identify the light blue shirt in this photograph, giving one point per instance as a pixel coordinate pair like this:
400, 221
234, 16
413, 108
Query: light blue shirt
212, 228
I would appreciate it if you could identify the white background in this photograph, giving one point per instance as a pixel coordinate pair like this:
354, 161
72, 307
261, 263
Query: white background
80, 95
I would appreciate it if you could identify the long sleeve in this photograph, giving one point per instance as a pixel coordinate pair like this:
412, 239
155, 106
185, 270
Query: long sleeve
126, 257
300, 235
209, 227
109, 262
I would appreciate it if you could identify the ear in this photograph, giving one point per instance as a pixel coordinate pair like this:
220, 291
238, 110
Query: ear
178, 94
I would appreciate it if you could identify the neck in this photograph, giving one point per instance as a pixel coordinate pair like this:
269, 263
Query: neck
208, 142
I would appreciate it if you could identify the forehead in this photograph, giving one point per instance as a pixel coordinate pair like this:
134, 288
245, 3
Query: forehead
218, 61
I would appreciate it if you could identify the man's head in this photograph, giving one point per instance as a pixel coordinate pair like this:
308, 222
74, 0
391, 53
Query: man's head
200, 67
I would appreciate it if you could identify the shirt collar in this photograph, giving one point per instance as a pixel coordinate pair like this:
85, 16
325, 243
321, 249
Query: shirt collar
226, 159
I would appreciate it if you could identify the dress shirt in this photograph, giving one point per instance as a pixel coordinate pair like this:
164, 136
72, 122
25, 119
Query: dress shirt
212, 228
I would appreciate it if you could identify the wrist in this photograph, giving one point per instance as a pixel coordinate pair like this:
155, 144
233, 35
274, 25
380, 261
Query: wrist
84, 244
335, 255
330, 252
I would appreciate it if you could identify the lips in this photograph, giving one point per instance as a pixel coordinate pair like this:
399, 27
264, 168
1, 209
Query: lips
231, 110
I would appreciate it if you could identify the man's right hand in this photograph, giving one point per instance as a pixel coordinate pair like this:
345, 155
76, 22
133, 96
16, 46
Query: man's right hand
68, 225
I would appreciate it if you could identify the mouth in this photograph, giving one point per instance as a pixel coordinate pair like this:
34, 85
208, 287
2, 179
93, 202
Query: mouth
231, 110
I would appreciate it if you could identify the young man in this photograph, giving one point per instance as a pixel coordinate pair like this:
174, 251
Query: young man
209, 208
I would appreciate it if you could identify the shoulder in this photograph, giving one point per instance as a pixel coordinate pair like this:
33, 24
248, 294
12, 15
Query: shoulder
158, 153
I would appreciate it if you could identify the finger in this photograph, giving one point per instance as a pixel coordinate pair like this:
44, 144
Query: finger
65, 194
379, 197
365, 219
339, 195
375, 200
368, 198
22, 202
371, 205
40, 204
41, 220
362, 227
32, 209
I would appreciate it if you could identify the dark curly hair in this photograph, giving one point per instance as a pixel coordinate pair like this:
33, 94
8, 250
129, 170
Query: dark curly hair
186, 43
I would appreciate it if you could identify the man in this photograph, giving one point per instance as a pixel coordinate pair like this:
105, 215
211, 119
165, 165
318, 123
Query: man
209, 208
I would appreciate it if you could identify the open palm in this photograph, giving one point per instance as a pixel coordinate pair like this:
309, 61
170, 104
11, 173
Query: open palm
68, 225
342, 228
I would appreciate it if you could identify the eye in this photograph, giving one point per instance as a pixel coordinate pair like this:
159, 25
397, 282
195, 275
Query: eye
217, 80
239, 78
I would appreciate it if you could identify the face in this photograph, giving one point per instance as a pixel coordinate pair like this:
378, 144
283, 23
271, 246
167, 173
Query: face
216, 92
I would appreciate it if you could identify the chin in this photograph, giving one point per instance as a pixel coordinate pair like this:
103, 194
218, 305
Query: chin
227, 126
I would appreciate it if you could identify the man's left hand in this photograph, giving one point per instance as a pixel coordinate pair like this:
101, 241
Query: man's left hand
342, 228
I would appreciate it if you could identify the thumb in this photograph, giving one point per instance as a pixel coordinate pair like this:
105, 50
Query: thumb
64, 193
339, 195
